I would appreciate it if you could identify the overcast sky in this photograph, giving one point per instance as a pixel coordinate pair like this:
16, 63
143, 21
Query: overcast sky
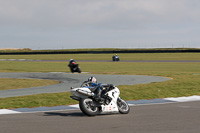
67, 24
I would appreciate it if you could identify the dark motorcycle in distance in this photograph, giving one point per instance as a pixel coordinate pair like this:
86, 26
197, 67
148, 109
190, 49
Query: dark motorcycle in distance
74, 67
115, 58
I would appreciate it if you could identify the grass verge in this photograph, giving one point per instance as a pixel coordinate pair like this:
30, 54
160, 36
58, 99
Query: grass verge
10, 83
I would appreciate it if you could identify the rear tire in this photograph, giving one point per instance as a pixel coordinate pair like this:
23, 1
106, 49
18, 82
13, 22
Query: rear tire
71, 69
123, 106
78, 70
87, 107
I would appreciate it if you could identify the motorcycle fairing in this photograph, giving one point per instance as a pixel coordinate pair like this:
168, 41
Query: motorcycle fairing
112, 106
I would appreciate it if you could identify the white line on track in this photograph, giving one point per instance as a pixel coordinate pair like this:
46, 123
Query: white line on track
184, 99
7, 111
74, 106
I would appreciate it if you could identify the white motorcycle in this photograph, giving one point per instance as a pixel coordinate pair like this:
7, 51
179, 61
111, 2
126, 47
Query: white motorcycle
112, 103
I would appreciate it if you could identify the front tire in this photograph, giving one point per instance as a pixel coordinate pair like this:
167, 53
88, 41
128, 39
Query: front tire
123, 106
87, 107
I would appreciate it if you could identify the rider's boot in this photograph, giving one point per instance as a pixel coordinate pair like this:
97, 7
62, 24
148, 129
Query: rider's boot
98, 97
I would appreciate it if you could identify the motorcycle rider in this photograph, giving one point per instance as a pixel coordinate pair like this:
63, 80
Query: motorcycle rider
72, 64
115, 57
99, 87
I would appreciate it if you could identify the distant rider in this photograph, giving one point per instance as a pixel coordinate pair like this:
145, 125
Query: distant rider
115, 57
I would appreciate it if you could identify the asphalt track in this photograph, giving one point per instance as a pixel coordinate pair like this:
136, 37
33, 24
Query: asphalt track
68, 80
157, 118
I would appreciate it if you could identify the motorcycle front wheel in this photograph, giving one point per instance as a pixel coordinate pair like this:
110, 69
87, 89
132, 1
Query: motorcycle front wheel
123, 106
87, 107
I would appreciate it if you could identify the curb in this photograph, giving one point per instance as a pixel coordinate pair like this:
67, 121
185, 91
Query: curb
75, 107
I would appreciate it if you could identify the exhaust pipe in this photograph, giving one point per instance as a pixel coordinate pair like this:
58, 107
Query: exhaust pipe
85, 93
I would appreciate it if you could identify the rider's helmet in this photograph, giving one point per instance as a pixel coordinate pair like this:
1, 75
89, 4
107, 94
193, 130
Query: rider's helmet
92, 79
71, 61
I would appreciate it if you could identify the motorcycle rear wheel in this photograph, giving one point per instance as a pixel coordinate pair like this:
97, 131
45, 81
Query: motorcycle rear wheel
78, 70
123, 106
87, 107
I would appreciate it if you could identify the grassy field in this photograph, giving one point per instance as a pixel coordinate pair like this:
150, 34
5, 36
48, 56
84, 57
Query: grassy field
7, 83
186, 78
133, 56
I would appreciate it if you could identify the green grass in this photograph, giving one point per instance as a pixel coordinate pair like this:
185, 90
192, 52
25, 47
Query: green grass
38, 100
12, 66
186, 80
10, 83
133, 56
